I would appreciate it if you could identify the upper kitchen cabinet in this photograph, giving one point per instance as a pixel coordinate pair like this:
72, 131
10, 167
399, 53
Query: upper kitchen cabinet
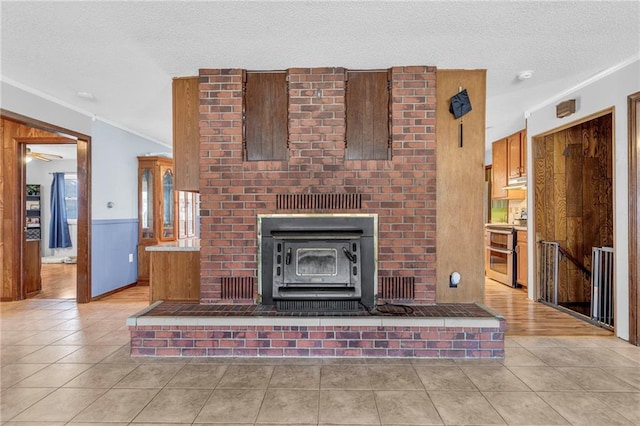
499, 169
186, 135
517, 154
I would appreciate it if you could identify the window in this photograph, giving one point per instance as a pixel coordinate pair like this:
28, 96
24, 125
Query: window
367, 111
71, 196
265, 116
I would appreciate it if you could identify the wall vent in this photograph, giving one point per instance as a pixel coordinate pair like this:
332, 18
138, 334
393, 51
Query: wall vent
319, 201
237, 287
397, 287
317, 305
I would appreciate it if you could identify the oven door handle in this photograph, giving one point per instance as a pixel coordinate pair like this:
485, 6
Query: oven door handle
501, 232
500, 250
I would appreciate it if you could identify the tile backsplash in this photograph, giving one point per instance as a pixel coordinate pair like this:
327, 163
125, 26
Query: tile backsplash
507, 211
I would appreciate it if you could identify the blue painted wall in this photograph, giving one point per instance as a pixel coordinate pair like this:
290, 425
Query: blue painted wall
112, 240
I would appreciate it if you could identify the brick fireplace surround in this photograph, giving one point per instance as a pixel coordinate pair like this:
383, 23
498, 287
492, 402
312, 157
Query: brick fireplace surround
400, 191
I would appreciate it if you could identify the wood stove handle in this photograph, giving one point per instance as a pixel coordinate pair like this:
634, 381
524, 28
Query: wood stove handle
349, 255
287, 259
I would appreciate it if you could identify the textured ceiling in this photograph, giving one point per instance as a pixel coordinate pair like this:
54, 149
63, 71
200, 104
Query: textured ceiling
126, 53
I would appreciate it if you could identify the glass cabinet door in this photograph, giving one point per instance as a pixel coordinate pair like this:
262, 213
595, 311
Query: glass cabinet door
191, 208
146, 194
182, 213
168, 214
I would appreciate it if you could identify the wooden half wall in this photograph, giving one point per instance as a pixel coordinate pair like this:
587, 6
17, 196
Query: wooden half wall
460, 187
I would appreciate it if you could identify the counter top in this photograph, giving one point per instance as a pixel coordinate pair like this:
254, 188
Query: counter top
506, 225
184, 244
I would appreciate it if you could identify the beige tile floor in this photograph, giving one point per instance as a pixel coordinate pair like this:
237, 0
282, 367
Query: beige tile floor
64, 363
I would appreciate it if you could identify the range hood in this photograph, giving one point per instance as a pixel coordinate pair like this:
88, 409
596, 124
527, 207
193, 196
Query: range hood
517, 183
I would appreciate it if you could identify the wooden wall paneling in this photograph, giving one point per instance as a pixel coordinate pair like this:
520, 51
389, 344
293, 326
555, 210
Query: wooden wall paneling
460, 172
590, 214
605, 143
559, 189
186, 133
539, 154
549, 210
573, 173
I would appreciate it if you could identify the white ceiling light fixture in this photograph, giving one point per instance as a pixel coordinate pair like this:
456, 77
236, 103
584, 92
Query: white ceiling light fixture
524, 75
86, 95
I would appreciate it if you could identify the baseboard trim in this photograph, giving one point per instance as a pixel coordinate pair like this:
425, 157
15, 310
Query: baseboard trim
112, 292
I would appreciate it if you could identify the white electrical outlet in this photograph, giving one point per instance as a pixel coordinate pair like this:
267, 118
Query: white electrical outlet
130, 257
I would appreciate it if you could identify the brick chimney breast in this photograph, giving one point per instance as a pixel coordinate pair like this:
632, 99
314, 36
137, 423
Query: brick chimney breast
401, 190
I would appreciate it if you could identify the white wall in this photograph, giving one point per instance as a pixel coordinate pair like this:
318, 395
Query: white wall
20, 101
114, 170
114, 177
605, 91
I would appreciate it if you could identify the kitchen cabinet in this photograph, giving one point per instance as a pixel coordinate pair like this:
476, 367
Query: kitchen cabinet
517, 154
521, 258
175, 271
156, 208
499, 169
186, 133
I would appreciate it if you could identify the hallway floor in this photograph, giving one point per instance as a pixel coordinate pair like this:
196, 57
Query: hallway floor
64, 363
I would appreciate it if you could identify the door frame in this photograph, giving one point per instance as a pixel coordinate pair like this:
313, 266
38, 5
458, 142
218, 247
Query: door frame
535, 141
634, 218
17, 205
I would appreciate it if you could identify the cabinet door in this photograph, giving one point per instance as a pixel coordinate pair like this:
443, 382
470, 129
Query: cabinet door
186, 137
521, 258
32, 280
168, 209
146, 204
499, 169
513, 147
523, 153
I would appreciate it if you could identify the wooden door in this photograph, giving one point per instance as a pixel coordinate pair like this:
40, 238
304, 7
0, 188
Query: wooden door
186, 138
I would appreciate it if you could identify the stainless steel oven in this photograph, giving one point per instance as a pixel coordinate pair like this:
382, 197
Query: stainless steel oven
499, 254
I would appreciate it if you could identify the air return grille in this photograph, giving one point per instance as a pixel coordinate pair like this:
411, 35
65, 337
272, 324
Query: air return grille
319, 201
397, 287
237, 287
317, 305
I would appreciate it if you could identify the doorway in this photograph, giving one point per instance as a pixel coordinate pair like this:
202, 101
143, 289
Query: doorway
58, 255
17, 133
573, 203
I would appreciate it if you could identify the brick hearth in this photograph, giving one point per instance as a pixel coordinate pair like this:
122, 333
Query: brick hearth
435, 331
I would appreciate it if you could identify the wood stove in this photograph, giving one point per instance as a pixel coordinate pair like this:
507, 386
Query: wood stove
317, 262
